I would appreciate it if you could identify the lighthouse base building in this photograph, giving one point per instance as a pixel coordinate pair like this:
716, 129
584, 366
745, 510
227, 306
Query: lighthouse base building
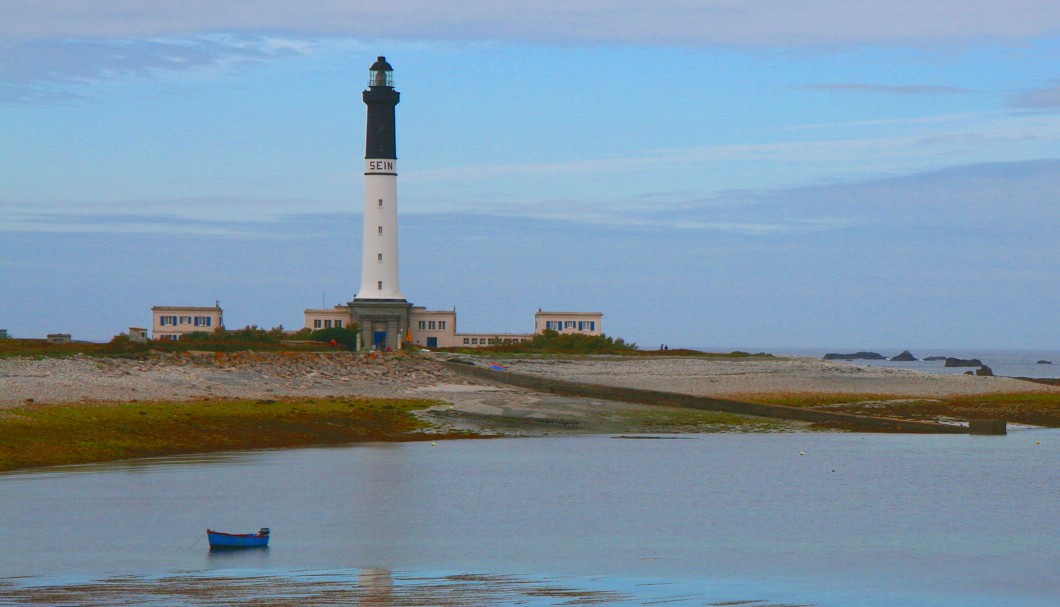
383, 327
386, 320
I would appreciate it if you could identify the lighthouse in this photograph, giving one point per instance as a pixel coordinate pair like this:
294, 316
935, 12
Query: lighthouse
379, 307
379, 245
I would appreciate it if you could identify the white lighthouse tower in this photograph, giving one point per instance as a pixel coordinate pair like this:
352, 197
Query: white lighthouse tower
379, 247
379, 307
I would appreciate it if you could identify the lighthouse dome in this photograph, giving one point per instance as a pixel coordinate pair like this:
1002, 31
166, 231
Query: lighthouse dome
381, 65
380, 74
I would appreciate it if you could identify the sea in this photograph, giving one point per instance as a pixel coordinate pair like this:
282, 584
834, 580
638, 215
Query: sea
1008, 363
759, 520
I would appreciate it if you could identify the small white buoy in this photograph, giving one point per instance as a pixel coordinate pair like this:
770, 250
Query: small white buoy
802, 453
432, 443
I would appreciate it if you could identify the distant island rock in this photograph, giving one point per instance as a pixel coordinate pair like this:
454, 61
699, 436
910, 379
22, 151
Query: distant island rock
984, 371
904, 357
1045, 362
855, 356
936, 358
963, 362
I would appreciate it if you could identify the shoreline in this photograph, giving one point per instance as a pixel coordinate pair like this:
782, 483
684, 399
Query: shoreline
153, 390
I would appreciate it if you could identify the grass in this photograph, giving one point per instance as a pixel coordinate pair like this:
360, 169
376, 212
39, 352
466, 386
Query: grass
49, 435
1035, 408
675, 420
38, 348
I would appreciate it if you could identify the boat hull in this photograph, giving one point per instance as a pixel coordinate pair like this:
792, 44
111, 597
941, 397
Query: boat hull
236, 540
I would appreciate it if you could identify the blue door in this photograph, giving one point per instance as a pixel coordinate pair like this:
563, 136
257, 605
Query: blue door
432, 342
379, 339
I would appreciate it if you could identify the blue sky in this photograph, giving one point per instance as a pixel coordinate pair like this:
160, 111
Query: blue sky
767, 173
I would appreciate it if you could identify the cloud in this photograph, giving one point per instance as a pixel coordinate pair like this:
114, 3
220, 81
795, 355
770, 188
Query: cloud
36, 70
1008, 196
997, 196
907, 89
775, 23
272, 218
1047, 98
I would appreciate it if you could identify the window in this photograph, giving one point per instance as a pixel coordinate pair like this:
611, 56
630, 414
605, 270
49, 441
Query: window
327, 324
441, 324
467, 340
185, 320
316, 324
474, 341
555, 325
203, 321
569, 324
379, 258
380, 203
431, 325
587, 325
491, 341
380, 229
380, 285
338, 324
422, 325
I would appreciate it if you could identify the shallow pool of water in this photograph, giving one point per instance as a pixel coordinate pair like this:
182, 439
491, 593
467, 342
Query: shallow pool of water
805, 518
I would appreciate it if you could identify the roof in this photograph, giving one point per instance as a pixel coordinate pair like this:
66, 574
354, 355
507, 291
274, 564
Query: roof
543, 313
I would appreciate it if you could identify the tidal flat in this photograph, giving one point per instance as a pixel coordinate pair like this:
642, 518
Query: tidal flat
58, 411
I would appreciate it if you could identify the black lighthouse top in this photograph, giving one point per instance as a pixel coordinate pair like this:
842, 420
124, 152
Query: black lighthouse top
380, 140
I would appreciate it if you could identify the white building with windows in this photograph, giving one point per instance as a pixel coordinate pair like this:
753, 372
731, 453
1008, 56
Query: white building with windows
587, 323
327, 318
171, 322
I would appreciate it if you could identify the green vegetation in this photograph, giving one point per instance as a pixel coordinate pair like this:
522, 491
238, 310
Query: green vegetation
50, 435
1035, 408
552, 342
248, 338
676, 420
345, 337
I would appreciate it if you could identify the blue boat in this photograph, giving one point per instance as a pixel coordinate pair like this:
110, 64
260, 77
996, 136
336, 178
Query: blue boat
238, 540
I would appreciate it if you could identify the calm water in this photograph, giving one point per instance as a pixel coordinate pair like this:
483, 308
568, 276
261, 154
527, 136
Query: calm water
1010, 363
855, 520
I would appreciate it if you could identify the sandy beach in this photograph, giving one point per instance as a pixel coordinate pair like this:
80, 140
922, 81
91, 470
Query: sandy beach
744, 376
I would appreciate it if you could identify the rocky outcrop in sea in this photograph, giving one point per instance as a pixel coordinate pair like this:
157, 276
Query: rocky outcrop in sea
855, 356
905, 357
963, 362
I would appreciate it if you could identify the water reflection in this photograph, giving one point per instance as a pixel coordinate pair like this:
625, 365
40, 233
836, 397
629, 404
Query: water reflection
253, 556
377, 586
824, 518
368, 587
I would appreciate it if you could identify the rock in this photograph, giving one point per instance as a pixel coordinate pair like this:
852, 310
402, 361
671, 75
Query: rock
985, 371
904, 357
1045, 362
969, 372
936, 358
963, 362
855, 356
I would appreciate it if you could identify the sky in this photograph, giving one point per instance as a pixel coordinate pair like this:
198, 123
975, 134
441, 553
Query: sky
712, 173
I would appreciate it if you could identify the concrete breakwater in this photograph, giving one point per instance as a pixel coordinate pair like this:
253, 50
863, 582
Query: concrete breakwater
674, 399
